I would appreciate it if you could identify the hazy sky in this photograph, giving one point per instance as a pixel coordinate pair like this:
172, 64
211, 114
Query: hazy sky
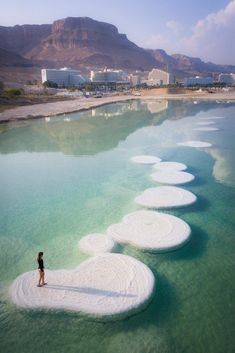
201, 28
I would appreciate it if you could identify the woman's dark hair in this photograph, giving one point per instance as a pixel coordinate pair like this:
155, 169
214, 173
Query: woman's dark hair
40, 254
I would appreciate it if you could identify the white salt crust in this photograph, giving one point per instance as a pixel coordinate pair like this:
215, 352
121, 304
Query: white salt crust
172, 177
168, 166
105, 286
207, 129
165, 197
96, 243
145, 159
151, 231
205, 123
196, 144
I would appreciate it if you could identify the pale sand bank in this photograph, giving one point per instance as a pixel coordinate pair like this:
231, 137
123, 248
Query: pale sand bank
80, 104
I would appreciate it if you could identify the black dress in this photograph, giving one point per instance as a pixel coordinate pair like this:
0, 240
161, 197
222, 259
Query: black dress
40, 265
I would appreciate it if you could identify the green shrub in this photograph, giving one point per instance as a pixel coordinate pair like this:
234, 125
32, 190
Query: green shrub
50, 84
1, 86
13, 92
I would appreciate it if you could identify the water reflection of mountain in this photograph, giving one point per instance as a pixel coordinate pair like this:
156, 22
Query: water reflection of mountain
92, 131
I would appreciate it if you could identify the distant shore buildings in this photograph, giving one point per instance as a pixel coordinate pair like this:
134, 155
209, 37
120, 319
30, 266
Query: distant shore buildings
111, 78
198, 81
227, 78
63, 77
158, 77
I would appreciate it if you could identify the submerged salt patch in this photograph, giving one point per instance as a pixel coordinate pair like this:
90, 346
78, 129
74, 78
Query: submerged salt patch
196, 144
151, 230
206, 129
96, 243
165, 197
107, 285
168, 166
172, 177
145, 159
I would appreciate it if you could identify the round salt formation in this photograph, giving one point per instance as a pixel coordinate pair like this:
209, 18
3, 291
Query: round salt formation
94, 244
151, 231
168, 166
104, 286
196, 144
207, 129
165, 197
146, 159
172, 177
205, 123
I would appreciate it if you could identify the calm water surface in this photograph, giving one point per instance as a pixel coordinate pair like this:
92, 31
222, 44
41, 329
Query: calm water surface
61, 180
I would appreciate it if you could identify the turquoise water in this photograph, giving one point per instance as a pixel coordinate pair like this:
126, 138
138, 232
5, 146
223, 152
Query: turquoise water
61, 180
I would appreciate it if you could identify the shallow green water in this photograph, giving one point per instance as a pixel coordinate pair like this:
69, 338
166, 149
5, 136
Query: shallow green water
61, 180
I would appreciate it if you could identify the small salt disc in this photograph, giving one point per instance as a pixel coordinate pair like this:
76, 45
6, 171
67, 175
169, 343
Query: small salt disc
146, 159
205, 123
165, 197
207, 129
213, 117
94, 244
168, 166
151, 231
196, 144
172, 177
105, 286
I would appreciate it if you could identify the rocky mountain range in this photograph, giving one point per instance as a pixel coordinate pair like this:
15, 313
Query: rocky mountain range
81, 42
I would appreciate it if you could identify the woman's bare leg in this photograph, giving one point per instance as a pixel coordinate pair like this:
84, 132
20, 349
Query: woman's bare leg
43, 276
40, 278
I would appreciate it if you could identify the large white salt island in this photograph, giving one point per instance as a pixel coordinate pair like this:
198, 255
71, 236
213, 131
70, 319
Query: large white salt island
165, 197
170, 166
172, 177
151, 231
107, 286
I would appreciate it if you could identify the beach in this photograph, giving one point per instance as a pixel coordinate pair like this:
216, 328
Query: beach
81, 104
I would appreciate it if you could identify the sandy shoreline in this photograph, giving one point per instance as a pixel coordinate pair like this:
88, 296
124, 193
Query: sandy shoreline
80, 104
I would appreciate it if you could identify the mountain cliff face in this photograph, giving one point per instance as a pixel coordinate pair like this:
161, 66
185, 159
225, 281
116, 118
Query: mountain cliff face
8, 58
190, 64
20, 39
83, 42
183, 65
76, 42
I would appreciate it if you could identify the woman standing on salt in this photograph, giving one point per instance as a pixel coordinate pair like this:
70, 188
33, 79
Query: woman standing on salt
41, 281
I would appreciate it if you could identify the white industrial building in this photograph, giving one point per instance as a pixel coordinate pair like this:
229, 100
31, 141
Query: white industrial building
198, 80
158, 77
63, 77
109, 76
227, 78
135, 80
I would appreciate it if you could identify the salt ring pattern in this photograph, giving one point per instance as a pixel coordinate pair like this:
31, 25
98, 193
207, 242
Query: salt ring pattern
151, 231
